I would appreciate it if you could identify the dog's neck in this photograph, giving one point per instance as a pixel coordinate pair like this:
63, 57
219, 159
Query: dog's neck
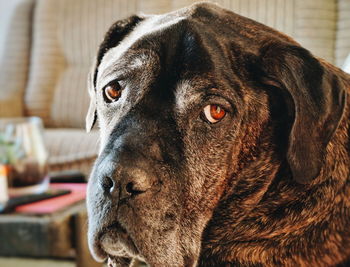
278, 222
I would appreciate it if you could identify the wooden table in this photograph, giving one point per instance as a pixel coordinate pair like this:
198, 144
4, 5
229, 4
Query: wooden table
62, 234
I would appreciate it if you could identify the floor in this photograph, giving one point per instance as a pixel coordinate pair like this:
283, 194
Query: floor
28, 262
25, 262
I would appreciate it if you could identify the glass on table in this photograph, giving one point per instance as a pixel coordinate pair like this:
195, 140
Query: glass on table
23, 153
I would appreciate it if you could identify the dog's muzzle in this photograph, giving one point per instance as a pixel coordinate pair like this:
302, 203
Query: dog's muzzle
122, 175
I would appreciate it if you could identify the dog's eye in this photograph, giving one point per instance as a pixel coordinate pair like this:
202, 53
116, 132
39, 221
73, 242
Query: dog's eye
214, 113
112, 92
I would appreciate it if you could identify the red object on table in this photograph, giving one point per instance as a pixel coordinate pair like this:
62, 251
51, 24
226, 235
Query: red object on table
78, 193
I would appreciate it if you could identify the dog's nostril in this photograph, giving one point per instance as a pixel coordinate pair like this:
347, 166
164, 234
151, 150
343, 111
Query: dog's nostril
107, 184
132, 190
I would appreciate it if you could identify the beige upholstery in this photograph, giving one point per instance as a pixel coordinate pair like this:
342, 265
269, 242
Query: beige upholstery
14, 55
71, 149
65, 37
342, 49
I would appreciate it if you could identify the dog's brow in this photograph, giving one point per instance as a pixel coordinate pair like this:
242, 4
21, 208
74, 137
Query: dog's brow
147, 27
111, 70
185, 96
119, 70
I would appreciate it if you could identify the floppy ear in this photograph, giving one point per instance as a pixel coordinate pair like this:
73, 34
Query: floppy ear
318, 95
91, 116
113, 37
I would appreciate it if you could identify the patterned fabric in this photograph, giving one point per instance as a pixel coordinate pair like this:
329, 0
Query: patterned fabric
14, 60
342, 49
66, 36
71, 149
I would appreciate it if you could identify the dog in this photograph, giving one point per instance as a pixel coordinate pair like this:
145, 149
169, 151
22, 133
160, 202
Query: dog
223, 143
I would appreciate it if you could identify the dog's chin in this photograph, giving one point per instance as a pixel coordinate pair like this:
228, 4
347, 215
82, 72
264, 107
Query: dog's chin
118, 262
115, 242
112, 242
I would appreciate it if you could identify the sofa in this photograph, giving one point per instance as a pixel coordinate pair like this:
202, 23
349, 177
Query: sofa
47, 46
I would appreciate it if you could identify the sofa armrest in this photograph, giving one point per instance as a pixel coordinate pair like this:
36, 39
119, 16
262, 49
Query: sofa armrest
14, 56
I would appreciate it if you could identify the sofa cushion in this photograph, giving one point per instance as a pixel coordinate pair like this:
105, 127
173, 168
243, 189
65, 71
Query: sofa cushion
15, 28
342, 49
71, 149
65, 40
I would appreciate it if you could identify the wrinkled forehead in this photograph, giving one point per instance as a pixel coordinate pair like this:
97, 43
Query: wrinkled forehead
170, 43
175, 53
134, 49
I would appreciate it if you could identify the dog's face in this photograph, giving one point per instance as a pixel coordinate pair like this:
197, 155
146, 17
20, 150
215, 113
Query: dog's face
188, 104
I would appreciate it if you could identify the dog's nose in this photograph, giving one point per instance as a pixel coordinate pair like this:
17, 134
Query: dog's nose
135, 188
132, 186
124, 180
107, 184
125, 170
134, 181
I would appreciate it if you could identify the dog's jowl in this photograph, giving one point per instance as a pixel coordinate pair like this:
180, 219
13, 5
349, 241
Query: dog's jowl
223, 143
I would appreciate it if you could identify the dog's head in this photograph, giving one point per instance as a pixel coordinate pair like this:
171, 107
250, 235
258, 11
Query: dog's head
188, 104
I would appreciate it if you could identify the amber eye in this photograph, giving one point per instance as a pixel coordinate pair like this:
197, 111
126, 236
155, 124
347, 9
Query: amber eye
214, 113
112, 92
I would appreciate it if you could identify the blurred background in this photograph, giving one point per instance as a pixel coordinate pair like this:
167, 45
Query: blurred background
46, 49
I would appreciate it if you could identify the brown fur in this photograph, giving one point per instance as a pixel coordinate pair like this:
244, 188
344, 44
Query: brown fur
266, 186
